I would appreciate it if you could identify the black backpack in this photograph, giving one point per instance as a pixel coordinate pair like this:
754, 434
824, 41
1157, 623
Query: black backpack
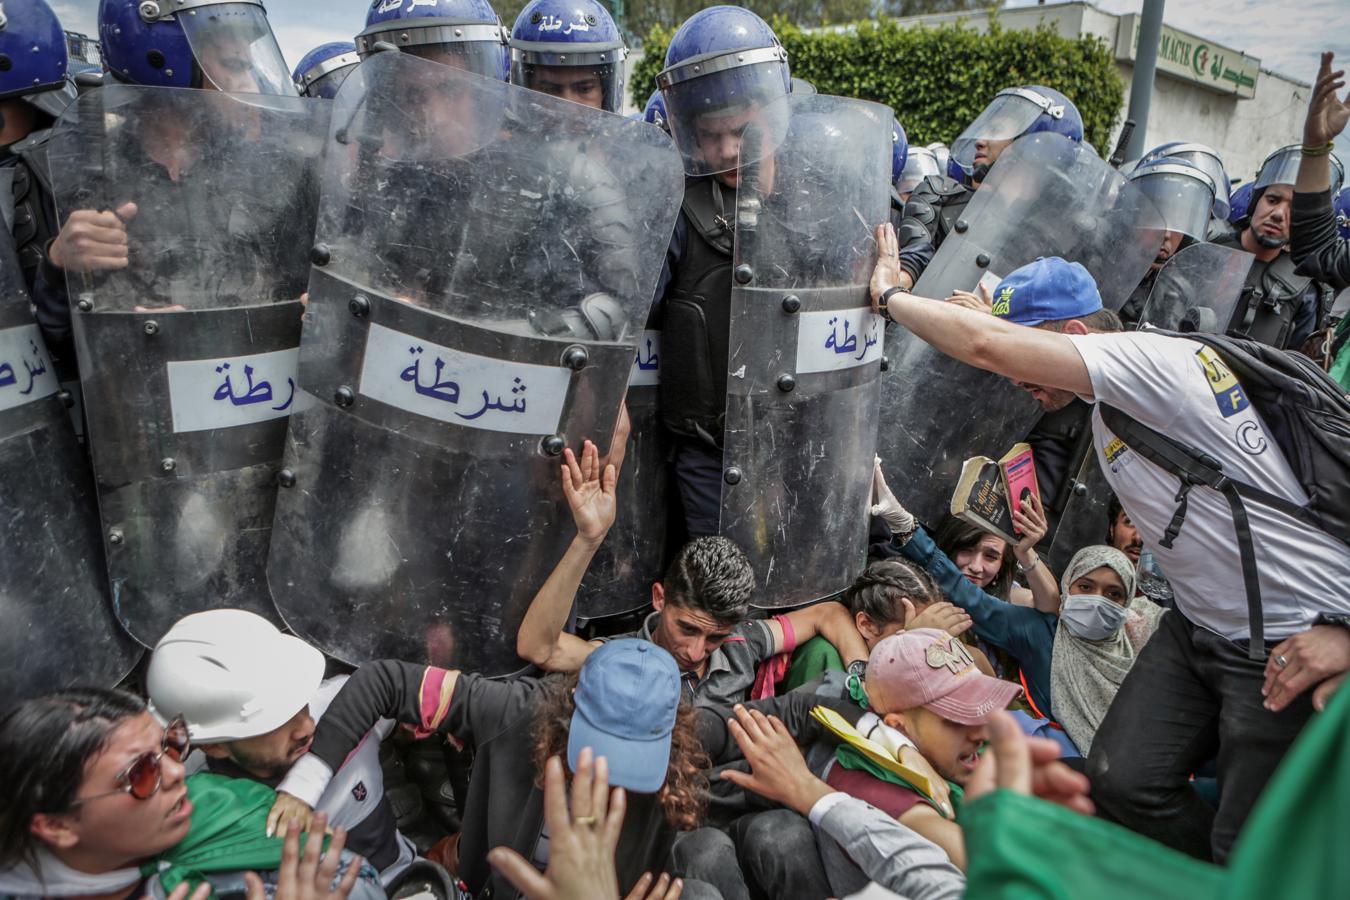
1308, 416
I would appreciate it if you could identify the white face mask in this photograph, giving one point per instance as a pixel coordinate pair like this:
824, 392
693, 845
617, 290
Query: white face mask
1091, 617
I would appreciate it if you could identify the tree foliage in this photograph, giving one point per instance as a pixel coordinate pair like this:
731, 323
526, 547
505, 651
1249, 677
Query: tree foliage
936, 79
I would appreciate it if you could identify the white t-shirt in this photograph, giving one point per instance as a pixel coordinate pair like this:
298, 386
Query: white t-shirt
1182, 389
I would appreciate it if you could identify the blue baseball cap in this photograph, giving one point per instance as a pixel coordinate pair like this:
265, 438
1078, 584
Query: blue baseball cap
1048, 290
626, 699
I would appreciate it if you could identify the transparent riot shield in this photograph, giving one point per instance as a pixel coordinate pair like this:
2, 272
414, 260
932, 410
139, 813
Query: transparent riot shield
805, 360
188, 353
1198, 289
484, 264
1047, 196
59, 627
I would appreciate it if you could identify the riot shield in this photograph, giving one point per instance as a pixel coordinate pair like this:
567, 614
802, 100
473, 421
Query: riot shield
59, 628
1047, 196
805, 360
485, 261
188, 354
1197, 289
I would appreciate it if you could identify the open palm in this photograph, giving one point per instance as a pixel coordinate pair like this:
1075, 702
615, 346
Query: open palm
1327, 115
590, 491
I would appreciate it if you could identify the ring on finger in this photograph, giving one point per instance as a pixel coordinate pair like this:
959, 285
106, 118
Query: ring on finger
1281, 661
588, 821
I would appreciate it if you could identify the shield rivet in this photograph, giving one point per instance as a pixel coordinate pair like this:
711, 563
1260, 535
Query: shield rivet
732, 475
168, 464
151, 328
67, 399
320, 255
786, 383
344, 397
961, 226
286, 478
791, 303
552, 445
359, 306
575, 357
114, 536
885, 364
982, 260
85, 304
744, 274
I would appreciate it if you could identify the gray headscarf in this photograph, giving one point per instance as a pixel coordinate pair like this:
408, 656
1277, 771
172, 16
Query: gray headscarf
1085, 675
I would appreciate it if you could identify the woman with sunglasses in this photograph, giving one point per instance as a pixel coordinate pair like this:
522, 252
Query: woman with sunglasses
95, 789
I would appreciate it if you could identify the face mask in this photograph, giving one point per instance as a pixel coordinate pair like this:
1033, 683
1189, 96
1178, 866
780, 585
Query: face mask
1090, 617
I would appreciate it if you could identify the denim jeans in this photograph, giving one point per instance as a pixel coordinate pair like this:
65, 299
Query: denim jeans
1191, 696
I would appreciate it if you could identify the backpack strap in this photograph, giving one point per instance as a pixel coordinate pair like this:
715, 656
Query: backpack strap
1196, 468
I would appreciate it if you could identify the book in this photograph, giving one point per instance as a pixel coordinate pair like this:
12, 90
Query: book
878, 754
981, 498
1019, 476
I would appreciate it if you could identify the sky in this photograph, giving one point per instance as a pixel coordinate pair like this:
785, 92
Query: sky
1286, 36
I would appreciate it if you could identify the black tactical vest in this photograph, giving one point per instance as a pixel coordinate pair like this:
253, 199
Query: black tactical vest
696, 319
35, 222
936, 204
1270, 300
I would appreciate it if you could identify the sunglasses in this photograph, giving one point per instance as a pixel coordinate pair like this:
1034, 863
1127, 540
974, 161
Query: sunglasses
142, 778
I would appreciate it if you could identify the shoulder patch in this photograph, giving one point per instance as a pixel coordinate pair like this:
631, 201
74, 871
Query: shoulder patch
1228, 394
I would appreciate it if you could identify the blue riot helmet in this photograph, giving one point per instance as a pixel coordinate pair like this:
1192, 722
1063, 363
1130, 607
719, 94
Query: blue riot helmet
1341, 206
724, 71
1204, 158
466, 34
1182, 192
570, 49
1239, 202
899, 156
919, 164
655, 112
324, 68
1015, 112
34, 61
223, 44
1281, 167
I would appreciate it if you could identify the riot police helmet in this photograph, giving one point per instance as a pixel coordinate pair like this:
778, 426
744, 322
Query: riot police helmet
34, 61
1207, 160
1239, 202
466, 34
324, 68
1013, 113
725, 68
1182, 192
227, 45
654, 113
571, 49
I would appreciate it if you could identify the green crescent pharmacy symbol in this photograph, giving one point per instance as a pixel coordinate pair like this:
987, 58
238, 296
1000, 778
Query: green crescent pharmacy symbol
1199, 58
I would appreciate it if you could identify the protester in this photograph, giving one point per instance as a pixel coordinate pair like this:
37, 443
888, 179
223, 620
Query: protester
1197, 685
98, 805
250, 696
701, 606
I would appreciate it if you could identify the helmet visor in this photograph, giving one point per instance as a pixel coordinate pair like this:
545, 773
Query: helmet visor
325, 87
921, 163
708, 114
591, 79
1281, 167
236, 50
1006, 118
1207, 161
1184, 198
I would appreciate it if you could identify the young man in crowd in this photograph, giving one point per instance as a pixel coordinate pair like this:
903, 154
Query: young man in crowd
250, 696
700, 607
1198, 689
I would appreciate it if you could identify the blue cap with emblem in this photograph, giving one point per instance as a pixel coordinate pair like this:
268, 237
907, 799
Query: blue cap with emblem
627, 695
1050, 289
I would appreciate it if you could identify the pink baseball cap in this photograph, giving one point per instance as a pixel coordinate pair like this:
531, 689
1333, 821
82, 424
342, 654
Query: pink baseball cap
932, 669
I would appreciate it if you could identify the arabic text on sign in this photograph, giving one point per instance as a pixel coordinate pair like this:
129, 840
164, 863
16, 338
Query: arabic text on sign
26, 372
227, 392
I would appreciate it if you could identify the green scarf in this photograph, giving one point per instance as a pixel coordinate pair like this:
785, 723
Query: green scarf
850, 758
228, 832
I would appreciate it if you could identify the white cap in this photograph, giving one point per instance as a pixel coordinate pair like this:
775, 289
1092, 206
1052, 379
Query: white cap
231, 674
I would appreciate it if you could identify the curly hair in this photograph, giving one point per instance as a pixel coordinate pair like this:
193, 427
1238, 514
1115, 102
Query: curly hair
883, 584
712, 575
684, 795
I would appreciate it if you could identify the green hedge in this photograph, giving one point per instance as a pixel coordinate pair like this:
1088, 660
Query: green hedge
937, 79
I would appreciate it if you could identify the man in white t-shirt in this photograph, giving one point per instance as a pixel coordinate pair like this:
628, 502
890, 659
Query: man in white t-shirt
1195, 694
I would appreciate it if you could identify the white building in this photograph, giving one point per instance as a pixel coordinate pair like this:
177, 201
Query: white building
1202, 92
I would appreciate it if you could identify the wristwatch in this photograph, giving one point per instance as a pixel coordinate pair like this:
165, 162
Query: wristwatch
885, 298
1340, 619
1027, 570
857, 667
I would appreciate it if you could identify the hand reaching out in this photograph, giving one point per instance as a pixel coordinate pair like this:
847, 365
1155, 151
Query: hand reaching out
591, 493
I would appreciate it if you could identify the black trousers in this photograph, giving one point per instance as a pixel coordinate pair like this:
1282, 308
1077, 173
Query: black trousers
698, 473
1191, 696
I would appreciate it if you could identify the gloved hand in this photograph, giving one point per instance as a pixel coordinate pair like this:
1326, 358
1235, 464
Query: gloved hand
885, 506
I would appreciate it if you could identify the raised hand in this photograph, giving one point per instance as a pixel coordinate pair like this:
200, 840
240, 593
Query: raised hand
591, 492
